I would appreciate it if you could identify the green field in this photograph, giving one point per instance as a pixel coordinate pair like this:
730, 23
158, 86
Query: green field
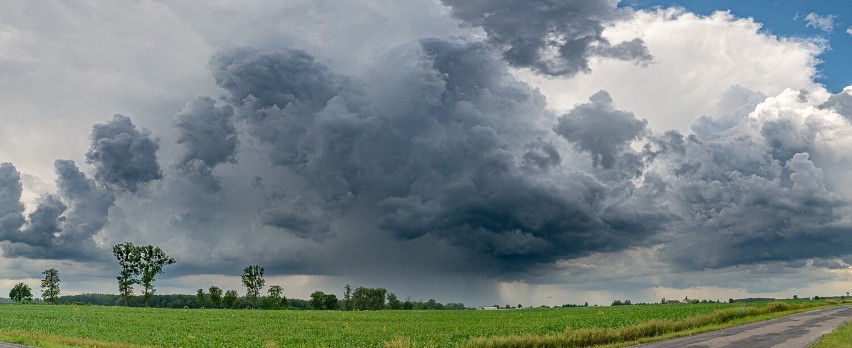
257, 328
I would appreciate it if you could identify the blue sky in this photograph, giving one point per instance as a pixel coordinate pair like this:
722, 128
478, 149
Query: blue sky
787, 18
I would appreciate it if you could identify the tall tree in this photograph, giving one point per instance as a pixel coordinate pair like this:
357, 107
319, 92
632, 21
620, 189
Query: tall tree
50, 285
230, 299
21, 292
128, 258
347, 297
215, 297
253, 280
199, 296
152, 261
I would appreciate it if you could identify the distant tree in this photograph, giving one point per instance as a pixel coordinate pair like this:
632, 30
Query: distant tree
407, 305
347, 297
50, 285
318, 300
519, 306
230, 299
795, 297
369, 298
128, 258
151, 262
393, 302
215, 297
202, 300
273, 298
586, 304
454, 306
663, 301
21, 292
730, 300
253, 281
330, 301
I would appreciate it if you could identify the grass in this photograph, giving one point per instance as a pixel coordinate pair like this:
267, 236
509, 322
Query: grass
840, 337
101, 326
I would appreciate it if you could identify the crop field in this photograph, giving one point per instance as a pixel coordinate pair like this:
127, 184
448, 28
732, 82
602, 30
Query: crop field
258, 328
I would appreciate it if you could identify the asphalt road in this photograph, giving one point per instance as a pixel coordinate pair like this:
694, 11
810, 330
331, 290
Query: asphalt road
10, 345
794, 331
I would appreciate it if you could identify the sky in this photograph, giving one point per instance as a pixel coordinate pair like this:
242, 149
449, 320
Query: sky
477, 151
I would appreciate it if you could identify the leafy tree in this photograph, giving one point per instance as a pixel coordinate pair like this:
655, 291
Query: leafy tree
273, 298
253, 281
230, 299
393, 302
128, 258
347, 297
21, 292
215, 297
330, 301
152, 261
202, 300
368, 298
318, 300
50, 285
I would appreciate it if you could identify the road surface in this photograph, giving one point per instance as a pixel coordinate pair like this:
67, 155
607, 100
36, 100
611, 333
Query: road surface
794, 331
11, 345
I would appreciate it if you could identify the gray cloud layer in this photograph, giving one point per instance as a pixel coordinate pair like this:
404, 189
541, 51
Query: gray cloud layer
448, 154
209, 137
123, 156
61, 227
550, 37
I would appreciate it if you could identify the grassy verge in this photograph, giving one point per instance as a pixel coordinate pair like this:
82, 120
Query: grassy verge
648, 331
840, 337
50, 341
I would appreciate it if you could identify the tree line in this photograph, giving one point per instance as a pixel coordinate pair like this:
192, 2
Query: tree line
141, 264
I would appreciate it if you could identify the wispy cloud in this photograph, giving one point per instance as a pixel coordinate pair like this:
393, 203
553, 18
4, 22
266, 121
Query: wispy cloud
824, 23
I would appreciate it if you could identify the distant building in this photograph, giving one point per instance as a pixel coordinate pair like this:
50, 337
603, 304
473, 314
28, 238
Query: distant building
672, 302
489, 308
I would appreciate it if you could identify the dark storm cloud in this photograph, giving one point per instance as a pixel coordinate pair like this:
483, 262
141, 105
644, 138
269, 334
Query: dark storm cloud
62, 228
11, 208
123, 156
598, 128
209, 137
550, 37
44, 222
464, 166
